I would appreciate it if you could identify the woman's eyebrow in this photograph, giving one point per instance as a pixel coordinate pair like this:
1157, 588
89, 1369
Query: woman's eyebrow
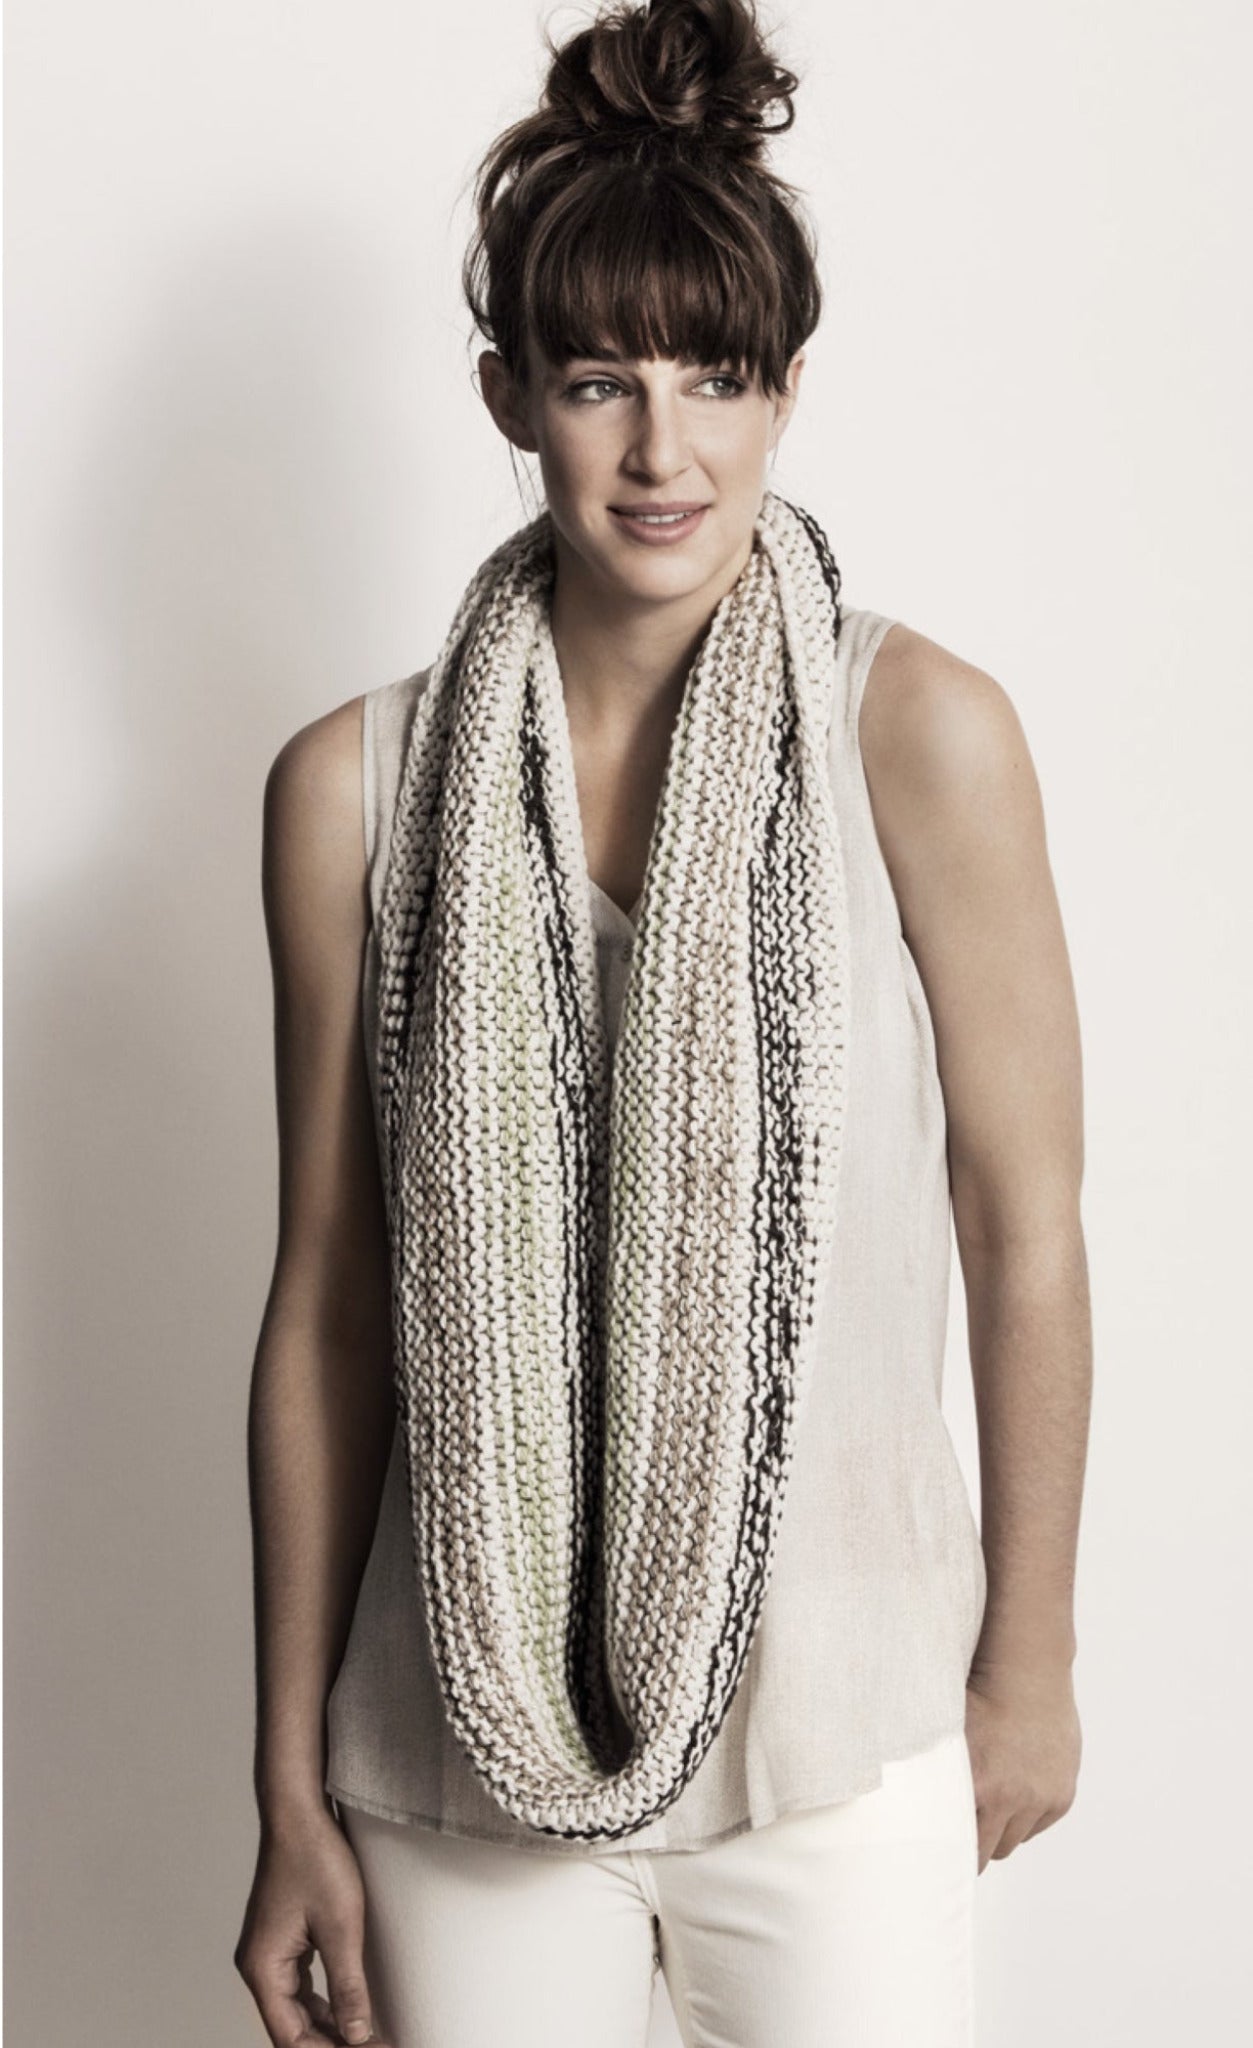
610, 355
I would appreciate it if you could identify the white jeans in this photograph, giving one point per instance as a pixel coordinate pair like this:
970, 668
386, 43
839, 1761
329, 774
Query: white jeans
846, 1926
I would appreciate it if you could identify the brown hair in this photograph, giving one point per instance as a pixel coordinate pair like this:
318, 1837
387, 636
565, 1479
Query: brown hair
634, 209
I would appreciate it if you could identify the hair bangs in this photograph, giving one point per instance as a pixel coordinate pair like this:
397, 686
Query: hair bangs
660, 270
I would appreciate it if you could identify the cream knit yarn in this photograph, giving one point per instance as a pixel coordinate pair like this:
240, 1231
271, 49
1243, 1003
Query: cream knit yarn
603, 1295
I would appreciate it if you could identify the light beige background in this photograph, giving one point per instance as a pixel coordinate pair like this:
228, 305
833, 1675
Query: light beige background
248, 474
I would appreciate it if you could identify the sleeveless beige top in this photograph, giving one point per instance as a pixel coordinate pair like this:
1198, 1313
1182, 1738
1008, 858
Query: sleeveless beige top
876, 1600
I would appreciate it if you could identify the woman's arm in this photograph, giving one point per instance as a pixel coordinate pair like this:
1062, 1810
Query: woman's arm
322, 1411
958, 813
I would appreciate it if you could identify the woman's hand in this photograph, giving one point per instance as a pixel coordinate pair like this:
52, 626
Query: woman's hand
1023, 1734
307, 1896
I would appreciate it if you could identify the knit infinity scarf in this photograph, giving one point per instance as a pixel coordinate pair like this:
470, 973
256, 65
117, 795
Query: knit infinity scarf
604, 1274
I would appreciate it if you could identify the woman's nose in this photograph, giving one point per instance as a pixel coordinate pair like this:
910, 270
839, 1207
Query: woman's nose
660, 442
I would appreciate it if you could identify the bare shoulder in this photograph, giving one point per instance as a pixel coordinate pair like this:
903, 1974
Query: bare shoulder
314, 844
316, 773
936, 721
947, 763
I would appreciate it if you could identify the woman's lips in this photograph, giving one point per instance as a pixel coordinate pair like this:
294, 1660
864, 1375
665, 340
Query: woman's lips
660, 533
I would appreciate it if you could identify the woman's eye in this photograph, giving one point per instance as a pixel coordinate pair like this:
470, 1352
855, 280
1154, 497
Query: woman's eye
588, 384
592, 384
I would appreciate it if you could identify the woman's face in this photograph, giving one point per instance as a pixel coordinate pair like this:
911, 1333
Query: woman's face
612, 434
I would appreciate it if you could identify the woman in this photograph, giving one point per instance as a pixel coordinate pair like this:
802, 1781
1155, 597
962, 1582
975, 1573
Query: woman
704, 948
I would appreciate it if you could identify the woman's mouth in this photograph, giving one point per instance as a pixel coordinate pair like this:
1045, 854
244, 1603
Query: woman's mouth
659, 529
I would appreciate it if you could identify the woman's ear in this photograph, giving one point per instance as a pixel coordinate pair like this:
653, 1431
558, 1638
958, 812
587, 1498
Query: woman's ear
504, 401
785, 404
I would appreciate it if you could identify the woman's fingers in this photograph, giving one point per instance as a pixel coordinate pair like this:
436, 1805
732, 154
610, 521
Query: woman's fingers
276, 1982
341, 1945
325, 2018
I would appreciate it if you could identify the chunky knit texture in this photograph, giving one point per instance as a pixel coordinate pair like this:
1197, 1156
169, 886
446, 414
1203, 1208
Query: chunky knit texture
604, 1290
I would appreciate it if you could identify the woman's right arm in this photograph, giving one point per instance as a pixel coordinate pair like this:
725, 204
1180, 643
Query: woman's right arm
322, 1410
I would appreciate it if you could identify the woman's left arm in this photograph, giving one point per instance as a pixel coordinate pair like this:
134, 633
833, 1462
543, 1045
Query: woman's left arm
958, 813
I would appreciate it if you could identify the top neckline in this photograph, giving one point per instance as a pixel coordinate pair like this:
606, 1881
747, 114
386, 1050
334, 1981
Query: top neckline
547, 650
615, 910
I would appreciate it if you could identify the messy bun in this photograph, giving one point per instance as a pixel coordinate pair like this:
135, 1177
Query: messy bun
693, 74
634, 209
